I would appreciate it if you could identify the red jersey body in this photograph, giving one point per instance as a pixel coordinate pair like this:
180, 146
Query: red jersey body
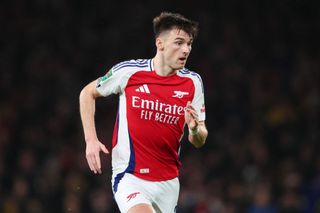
150, 121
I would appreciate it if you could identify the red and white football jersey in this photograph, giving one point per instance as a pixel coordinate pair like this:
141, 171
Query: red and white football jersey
150, 121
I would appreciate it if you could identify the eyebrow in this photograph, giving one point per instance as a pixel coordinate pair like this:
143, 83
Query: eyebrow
183, 39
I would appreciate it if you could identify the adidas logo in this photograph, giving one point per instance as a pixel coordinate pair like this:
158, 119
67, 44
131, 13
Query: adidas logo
144, 89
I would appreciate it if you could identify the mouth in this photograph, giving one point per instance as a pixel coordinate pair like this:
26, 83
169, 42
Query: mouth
183, 59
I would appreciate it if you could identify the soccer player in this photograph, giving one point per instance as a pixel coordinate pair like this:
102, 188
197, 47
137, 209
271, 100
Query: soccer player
157, 98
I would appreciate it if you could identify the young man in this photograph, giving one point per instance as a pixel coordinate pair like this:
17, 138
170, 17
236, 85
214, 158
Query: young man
157, 97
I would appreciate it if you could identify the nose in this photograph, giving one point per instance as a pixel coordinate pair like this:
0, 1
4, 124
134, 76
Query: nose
186, 49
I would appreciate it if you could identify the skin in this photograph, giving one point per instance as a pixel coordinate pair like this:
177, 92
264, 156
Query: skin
141, 208
173, 49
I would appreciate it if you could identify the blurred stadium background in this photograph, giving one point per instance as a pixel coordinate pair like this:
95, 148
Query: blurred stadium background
260, 64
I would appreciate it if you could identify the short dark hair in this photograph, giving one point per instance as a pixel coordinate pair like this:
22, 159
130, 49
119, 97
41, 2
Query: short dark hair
167, 21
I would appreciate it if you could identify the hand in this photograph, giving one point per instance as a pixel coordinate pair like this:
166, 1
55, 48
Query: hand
191, 116
93, 149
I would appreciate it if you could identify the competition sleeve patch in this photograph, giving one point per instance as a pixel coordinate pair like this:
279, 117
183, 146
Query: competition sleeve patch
104, 78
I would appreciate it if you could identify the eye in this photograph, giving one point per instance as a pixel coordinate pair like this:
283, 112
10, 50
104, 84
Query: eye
178, 43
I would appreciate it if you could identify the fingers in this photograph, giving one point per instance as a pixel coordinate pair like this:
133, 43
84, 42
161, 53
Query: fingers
104, 149
92, 163
192, 111
93, 156
194, 115
97, 163
191, 116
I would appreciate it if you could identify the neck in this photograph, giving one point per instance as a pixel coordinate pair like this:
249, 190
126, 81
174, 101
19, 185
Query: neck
161, 68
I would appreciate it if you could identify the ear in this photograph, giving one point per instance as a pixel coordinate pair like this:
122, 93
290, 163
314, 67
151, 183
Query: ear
159, 43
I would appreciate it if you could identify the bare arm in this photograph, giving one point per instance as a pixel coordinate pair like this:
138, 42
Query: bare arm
197, 129
87, 102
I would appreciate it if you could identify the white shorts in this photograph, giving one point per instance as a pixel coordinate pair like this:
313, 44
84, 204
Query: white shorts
162, 195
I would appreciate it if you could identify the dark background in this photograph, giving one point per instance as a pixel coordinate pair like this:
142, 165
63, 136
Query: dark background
259, 61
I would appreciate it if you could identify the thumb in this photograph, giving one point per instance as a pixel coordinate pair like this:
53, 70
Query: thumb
104, 149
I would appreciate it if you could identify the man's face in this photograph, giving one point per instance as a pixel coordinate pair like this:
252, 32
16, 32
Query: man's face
176, 48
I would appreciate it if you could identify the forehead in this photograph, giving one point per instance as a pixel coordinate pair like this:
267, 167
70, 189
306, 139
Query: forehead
178, 34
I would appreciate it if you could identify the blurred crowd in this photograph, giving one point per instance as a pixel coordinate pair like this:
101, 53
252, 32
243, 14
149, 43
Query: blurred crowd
260, 64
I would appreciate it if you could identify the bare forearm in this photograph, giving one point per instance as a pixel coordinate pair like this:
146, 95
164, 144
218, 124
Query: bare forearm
87, 101
199, 139
87, 111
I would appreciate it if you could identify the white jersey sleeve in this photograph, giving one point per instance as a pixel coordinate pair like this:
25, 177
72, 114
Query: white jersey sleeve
110, 83
115, 81
198, 100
